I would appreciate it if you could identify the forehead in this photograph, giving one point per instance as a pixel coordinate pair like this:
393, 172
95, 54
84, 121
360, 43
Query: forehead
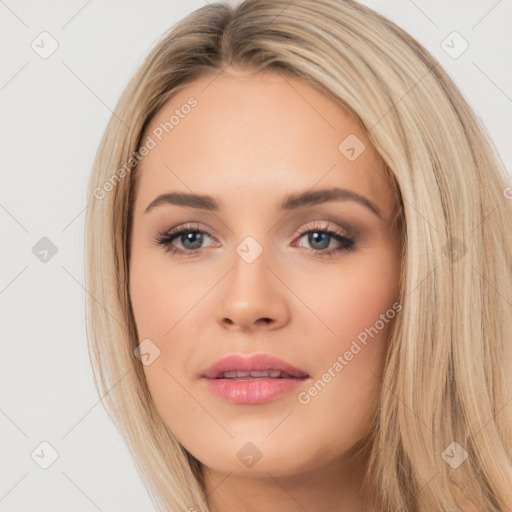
254, 136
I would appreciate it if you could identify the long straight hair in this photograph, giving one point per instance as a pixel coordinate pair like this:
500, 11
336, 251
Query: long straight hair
446, 390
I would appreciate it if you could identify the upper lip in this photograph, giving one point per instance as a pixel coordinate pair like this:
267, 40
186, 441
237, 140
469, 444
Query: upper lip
258, 362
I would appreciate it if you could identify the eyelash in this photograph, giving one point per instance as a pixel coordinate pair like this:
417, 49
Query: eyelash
166, 238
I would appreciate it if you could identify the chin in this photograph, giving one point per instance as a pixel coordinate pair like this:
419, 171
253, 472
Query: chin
250, 460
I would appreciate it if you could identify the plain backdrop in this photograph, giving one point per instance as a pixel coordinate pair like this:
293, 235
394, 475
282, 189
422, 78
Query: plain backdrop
53, 113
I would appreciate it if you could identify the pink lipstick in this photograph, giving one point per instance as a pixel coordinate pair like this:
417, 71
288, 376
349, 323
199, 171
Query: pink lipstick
253, 380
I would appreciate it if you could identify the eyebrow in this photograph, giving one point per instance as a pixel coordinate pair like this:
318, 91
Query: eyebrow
290, 202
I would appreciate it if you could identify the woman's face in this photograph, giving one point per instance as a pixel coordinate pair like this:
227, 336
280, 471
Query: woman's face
258, 280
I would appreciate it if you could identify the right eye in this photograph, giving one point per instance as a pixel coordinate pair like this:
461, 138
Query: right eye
190, 237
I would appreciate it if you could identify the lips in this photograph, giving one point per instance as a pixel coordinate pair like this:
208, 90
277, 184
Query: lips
259, 366
268, 374
253, 380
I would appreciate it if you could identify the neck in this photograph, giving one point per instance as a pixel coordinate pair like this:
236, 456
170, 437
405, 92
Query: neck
334, 486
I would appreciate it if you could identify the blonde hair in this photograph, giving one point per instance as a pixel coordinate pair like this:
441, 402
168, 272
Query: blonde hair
448, 367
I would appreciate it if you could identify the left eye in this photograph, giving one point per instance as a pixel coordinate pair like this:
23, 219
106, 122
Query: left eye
319, 234
192, 238
320, 239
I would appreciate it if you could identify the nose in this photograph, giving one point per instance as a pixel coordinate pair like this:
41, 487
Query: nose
253, 297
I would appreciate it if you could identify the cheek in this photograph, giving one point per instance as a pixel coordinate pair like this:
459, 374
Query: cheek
358, 304
354, 296
162, 293
163, 299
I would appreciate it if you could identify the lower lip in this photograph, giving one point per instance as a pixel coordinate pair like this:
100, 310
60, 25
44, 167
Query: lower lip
255, 391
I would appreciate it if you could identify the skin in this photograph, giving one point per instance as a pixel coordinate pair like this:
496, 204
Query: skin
250, 141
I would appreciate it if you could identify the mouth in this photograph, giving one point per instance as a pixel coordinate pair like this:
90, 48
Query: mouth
269, 374
252, 381
258, 366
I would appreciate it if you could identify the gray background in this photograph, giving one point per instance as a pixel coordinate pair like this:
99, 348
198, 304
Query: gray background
53, 113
